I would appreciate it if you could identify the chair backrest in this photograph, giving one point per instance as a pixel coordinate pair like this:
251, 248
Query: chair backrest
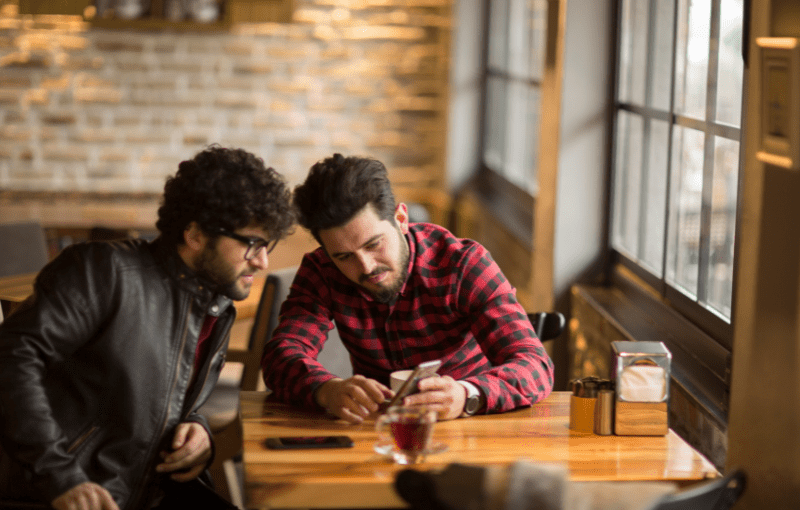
718, 494
23, 248
265, 321
548, 325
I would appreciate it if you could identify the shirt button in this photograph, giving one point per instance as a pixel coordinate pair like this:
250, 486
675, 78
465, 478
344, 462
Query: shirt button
214, 308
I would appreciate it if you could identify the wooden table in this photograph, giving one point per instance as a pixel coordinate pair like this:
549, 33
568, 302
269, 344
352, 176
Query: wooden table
360, 478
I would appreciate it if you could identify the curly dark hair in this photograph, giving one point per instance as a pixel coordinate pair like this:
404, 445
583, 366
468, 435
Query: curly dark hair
225, 188
338, 187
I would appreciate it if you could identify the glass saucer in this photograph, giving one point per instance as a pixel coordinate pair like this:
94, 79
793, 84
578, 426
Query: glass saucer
385, 449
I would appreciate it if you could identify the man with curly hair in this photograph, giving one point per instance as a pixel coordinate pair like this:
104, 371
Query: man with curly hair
400, 294
103, 367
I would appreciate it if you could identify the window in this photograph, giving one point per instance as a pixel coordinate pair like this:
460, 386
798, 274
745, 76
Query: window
676, 161
514, 67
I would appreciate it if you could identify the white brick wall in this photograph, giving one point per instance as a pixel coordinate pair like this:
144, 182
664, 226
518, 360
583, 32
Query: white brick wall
113, 111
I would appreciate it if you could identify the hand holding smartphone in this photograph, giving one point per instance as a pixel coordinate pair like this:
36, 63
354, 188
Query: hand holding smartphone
421, 371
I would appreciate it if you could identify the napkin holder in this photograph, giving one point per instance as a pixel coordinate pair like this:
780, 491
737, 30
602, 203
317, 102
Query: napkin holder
641, 372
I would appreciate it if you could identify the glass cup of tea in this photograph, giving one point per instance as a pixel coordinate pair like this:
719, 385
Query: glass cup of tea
405, 433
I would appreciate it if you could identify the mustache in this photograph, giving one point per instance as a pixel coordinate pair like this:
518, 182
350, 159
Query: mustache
375, 272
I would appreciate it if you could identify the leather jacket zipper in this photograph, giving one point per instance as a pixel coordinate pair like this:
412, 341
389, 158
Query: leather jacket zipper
82, 439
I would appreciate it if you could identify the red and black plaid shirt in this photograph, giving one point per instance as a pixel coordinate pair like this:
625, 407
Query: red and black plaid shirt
456, 306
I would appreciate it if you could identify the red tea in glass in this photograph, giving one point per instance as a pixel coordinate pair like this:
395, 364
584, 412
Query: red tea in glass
406, 432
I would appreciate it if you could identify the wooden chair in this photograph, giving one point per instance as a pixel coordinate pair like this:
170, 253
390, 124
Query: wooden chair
222, 407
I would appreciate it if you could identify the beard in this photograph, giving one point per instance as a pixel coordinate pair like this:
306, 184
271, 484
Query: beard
388, 293
211, 267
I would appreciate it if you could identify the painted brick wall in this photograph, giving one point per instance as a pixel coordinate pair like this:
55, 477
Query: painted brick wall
91, 110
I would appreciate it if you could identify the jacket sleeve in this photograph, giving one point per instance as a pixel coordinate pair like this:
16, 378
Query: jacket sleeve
522, 372
289, 364
52, 323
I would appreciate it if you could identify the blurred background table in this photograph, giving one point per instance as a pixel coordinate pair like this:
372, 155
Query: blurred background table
360, 478
14, 289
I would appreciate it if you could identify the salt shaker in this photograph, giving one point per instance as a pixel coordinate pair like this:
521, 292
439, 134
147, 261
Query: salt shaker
604, 413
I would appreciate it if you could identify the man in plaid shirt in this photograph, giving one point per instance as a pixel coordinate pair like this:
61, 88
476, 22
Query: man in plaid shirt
399, 293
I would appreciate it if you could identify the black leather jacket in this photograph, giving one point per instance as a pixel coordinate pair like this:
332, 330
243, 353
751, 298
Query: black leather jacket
96, 366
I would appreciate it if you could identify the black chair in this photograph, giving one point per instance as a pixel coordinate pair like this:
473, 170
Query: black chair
717, 494
23, 247
548, 325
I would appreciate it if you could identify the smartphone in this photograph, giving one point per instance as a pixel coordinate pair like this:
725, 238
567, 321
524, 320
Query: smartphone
421, 371
305, 442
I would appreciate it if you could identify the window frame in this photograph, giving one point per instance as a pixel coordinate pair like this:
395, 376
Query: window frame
494, 183
709, 321
699, 339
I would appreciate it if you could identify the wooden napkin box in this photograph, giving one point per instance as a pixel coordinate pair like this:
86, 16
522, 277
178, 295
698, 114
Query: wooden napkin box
641, 373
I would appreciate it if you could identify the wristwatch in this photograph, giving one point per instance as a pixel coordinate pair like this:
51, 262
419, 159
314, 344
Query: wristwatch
473, 400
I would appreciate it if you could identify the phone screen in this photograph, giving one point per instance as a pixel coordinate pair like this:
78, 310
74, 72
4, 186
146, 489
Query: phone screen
293, 443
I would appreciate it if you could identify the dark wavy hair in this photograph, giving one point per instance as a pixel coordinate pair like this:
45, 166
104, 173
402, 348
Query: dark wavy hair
225, 188
338, 187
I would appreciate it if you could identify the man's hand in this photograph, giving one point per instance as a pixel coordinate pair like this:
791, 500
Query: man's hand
191, 450
352, 399
85, 496
442, 394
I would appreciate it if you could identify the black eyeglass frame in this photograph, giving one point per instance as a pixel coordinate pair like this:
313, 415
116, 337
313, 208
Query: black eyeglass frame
254, 244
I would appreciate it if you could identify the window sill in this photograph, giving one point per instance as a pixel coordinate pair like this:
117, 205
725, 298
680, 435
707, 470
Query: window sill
700, 366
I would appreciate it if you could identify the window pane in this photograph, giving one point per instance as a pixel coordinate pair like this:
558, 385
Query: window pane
723, 223
532, 145
731, 65
691, 73
519, 38
683, 248
495, 123
498, 40
518, 135
633, 51
661, 79
627, 183
538, 20
656, 207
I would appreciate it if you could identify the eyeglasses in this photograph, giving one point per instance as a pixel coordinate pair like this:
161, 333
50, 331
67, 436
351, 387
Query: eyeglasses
254, 244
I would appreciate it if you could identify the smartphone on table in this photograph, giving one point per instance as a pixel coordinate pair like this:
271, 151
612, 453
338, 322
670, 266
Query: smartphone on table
307, 442
421, 371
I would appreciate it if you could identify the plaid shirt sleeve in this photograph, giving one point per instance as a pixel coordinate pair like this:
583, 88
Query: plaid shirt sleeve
289, 364
521, 372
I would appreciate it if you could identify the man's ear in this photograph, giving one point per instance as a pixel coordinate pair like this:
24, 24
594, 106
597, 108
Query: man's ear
401, 216
194, 238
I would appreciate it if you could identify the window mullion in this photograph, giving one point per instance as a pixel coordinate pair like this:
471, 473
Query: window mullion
704, 264
670, 138
644, 182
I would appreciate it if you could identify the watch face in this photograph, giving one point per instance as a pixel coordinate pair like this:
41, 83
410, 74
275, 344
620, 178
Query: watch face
471, 406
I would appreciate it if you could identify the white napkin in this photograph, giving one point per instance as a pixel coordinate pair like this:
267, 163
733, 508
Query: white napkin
642, 383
